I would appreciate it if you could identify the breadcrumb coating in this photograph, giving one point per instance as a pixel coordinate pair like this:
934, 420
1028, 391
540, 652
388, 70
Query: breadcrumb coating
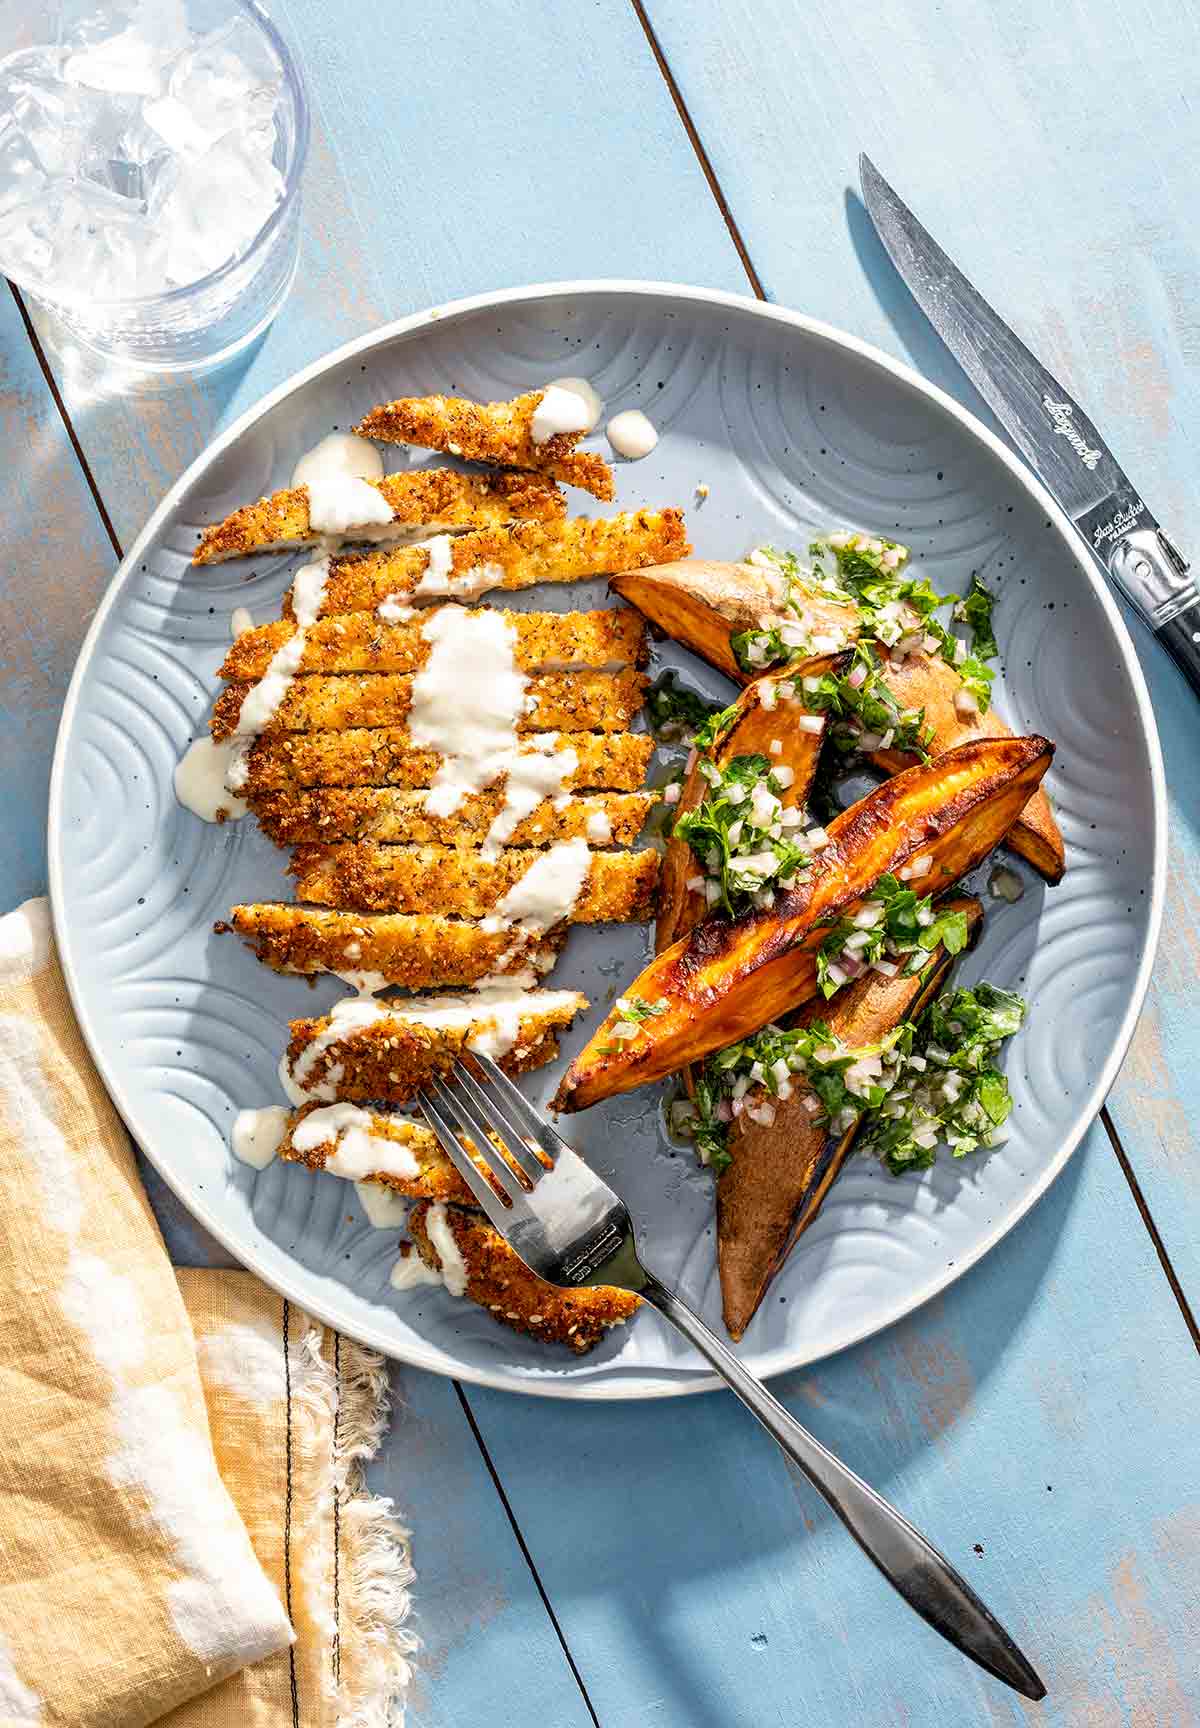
394, 1057
433, 499
500, 432
315, 702
385, 756
498, 1280
618, 889
512, 556
362, 642
334, 814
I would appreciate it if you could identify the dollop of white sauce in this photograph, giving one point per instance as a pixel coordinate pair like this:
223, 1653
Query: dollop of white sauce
466, 701
357, 1151
258, 1135
454, 1267
202, 778
631, 434
385, 1209
583, 389
548, 891
410, 1271
393, 610
338, 473
560, 410
240, 621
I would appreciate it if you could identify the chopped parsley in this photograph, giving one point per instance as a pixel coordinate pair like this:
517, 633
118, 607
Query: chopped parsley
894, 609
674, 712
932, 1082
635, 1009
893, 926
744, 840
949, 1088
864, 714
715, 727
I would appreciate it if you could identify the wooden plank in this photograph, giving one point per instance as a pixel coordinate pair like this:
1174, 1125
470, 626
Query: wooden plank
1031, 1421
1046, 119
436, 173
58, 563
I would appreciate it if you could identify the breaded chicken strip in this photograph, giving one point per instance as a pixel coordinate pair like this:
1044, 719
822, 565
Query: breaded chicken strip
385, 756
425, 952
431, 499
560, 701
362, 642
500, 432
498, 1280
618, 889
333, 814
388, 1050
517, 555
410, 1159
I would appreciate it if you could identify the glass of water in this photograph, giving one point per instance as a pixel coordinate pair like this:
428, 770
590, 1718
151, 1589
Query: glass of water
151, 153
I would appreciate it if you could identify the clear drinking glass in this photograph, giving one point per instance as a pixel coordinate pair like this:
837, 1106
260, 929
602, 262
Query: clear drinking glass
195, 327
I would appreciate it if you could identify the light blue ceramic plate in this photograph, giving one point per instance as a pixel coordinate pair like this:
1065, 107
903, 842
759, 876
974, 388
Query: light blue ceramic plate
794, 428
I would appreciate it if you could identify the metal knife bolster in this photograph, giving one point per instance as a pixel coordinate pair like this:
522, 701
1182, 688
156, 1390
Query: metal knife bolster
1148, 569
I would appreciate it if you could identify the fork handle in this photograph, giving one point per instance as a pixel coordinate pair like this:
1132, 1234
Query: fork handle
912, 1566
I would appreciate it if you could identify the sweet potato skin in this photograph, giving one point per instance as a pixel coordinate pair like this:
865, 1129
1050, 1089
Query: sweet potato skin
703, 603
726, 979
923, 681
780, 1174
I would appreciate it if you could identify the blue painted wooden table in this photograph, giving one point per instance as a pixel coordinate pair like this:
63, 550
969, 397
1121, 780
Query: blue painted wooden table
659, 1563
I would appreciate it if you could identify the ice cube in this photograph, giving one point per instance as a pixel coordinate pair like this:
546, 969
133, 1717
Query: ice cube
22, 181
125, 48
218, 204
224, 72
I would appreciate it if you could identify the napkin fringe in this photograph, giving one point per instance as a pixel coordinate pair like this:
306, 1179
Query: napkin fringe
361, 1601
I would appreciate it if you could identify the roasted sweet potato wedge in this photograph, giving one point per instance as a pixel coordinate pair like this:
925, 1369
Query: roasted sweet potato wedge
780, 1174
923, 681
728, 978
702, 604
757, 727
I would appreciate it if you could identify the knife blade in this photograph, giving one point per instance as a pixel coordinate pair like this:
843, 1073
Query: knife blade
1049, 428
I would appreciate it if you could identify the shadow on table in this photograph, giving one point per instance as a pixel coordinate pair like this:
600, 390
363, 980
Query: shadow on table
716, 1500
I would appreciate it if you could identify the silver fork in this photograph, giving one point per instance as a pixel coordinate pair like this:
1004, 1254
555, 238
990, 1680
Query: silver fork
571, 1229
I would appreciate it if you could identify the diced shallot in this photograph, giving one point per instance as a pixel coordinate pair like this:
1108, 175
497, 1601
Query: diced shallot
671, 792
857, 678
813, 723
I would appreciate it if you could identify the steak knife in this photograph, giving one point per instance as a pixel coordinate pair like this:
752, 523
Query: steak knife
1050, 430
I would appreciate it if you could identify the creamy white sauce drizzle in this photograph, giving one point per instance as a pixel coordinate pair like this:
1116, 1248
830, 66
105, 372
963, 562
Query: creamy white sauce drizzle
454, 1267
631, 434
261, 703
560, 410
203, 777
385, 1209
357, 1152
539, 771
346, 1017
436, 577
599, 828
258, 1134
410, 1271
466, 701
240, 621
580, 387
393, 610
337, 473
548, 891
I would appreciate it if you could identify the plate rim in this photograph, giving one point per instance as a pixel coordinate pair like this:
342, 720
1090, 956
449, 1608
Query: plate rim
781, 1360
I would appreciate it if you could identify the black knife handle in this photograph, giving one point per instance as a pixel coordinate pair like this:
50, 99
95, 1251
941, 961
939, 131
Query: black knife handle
1181, 639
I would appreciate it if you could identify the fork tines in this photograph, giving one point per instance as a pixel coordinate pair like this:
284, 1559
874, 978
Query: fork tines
498, 1163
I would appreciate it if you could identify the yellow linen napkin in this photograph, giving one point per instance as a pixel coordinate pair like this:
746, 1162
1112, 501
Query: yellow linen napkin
129, 1586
